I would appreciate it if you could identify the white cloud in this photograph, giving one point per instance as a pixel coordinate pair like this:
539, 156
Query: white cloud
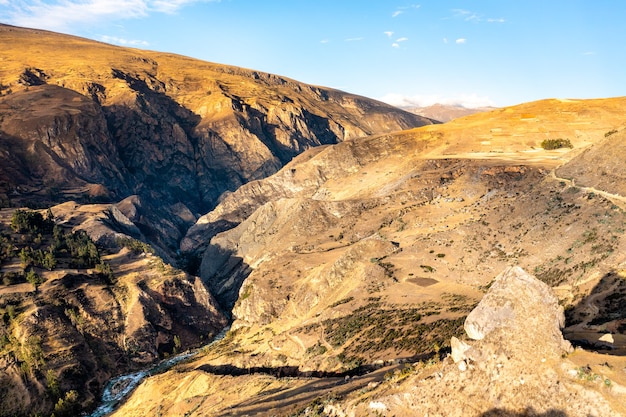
169, 6
465, 100
324, 41
445, 40
121, 41
466, 15
470, 16
354, 39
402, 9
461, 41
589, 53
388, 33
62, 14
395, 45
402, 39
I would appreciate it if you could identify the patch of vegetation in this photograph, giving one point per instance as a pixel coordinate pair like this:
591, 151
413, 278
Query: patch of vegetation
459, 302
551, 144
316, 407
33, 278
69, 405
247, 290
40, 243
342, 301
585, 373
137, 246
28, 221
316, 350
373, 328
610, 132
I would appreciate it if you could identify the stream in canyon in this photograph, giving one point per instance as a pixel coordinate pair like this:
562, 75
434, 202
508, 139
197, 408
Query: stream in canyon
121, 386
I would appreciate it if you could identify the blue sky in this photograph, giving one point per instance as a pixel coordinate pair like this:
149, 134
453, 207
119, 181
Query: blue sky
481, 52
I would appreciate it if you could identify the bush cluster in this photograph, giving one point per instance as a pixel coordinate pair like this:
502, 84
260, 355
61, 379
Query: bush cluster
550, 144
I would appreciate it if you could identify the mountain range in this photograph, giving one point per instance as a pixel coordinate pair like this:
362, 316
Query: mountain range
445, 112
347, 243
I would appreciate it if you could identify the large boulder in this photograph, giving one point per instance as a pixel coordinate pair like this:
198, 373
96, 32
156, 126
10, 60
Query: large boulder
519, 311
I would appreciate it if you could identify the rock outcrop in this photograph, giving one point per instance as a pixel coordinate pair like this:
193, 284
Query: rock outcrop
519, 310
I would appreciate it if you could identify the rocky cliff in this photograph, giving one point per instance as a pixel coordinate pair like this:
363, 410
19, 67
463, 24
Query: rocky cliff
107, 122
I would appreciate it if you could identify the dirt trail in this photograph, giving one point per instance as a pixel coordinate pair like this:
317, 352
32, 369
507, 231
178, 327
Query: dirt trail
297, 341
17, 288
615, 198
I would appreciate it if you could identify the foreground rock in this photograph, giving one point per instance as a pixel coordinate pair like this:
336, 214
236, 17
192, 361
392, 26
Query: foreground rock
516, 366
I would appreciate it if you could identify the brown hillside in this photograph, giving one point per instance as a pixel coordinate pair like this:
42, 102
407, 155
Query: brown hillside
171, 129
343, 247
374, 252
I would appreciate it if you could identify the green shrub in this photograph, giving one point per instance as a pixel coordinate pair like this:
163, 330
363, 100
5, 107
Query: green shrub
28, 221
550, 144
34, 278
137, 246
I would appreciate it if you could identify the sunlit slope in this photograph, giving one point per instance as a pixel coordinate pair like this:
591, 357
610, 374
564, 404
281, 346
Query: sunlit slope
369, 252
105, 122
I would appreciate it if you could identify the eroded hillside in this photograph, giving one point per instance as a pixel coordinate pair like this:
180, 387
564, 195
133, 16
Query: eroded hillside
360, 255
348, 255
129, 148
74, 314
89, 121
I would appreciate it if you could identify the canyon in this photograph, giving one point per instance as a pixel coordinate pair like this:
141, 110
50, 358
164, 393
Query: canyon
347, 243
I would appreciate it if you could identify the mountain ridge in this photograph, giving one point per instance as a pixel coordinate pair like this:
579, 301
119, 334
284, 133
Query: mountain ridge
178, 129
130, 147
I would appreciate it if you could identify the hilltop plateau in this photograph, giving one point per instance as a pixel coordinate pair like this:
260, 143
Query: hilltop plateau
369, 261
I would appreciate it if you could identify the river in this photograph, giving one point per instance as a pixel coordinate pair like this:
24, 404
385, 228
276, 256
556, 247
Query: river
119, 387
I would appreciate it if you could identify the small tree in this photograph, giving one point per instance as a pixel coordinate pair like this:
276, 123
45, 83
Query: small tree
26, 257
34, 278
49, 261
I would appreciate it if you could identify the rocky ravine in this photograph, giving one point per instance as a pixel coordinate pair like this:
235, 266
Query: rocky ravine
403, 232
512, 361
392, 224
156, 139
